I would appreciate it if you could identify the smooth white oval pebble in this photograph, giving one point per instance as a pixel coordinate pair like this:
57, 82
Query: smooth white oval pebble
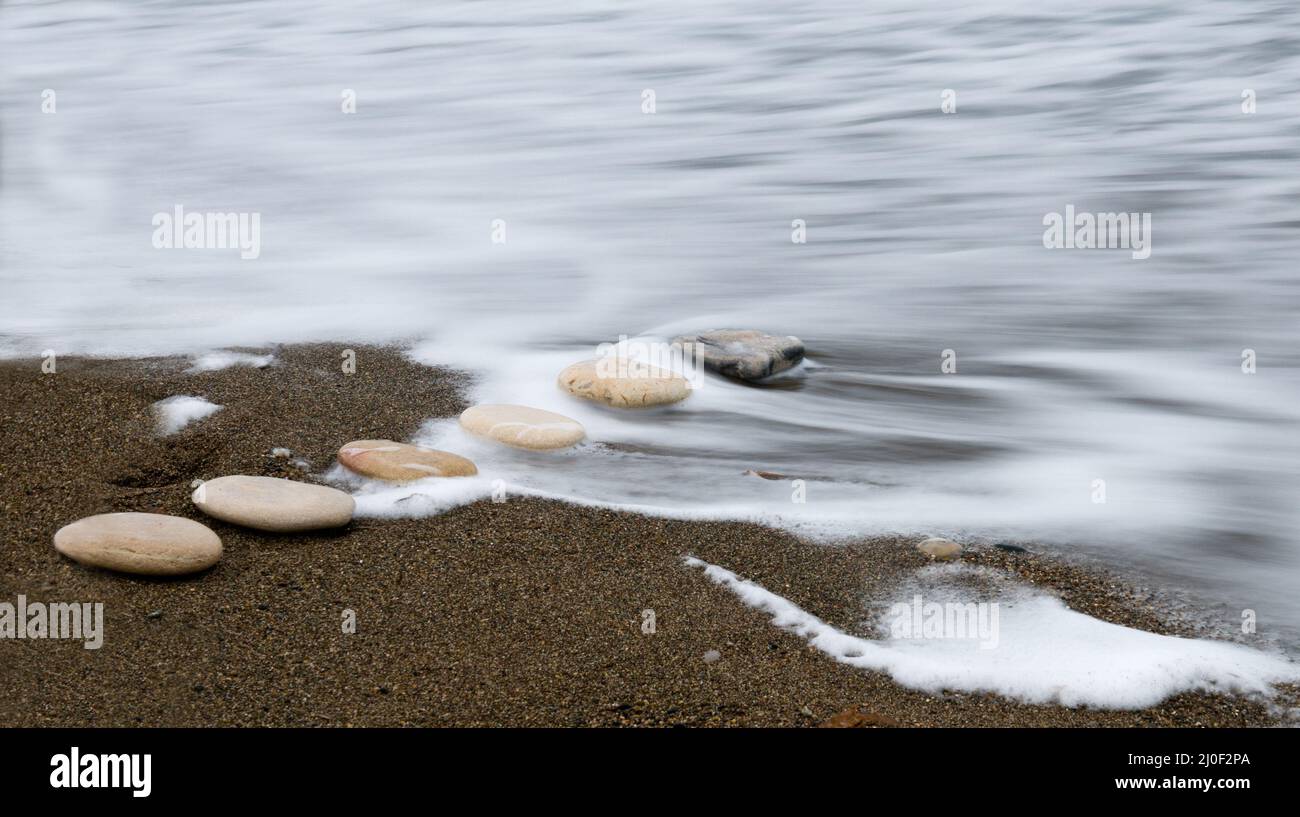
269, 503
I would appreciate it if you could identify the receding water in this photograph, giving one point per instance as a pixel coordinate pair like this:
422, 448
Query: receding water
924, 233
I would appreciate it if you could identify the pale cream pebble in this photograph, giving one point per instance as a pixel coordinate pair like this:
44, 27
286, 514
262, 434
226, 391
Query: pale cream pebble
268, 503
640, 387
940, 549
522, 426
143, 543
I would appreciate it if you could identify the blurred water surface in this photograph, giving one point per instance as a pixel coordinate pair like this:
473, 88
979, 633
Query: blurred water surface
924, 234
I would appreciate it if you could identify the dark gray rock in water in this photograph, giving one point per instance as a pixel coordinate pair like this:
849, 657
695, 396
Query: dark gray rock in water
744, 353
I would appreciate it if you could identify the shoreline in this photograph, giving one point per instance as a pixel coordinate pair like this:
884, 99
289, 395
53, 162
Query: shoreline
527, 612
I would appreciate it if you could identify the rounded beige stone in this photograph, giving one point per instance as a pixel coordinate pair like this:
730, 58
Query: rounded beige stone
941, 549
639, 386
522, 426
268, 503
150, 544
400, 462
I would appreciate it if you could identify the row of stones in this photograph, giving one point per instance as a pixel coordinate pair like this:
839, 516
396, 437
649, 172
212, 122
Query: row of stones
158, 544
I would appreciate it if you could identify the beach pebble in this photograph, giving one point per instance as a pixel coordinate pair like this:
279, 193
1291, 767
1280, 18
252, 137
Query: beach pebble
745, 354
146, 543
522, 426
856, 717
941, 549
268, 503
623, 384
712, 657
399, 462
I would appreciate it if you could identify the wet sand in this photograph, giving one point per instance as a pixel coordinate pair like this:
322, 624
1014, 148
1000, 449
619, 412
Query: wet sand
522, 613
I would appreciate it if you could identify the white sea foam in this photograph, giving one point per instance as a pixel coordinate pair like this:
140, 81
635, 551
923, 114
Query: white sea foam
1046, 653
379, 499
175, 413
214, 361
421, 498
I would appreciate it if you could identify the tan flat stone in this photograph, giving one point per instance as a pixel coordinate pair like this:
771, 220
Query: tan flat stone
640, 386
268, 503
941, 549
151, 544
522, 426
400, 462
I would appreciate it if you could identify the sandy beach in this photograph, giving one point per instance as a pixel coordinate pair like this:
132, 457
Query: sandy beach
521, 613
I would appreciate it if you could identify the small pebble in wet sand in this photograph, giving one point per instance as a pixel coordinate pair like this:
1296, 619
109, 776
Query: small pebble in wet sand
856, 717
146, 543
399, 462
522, 426
712, 657
624, 383
268, 503
941, 549
745, 354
